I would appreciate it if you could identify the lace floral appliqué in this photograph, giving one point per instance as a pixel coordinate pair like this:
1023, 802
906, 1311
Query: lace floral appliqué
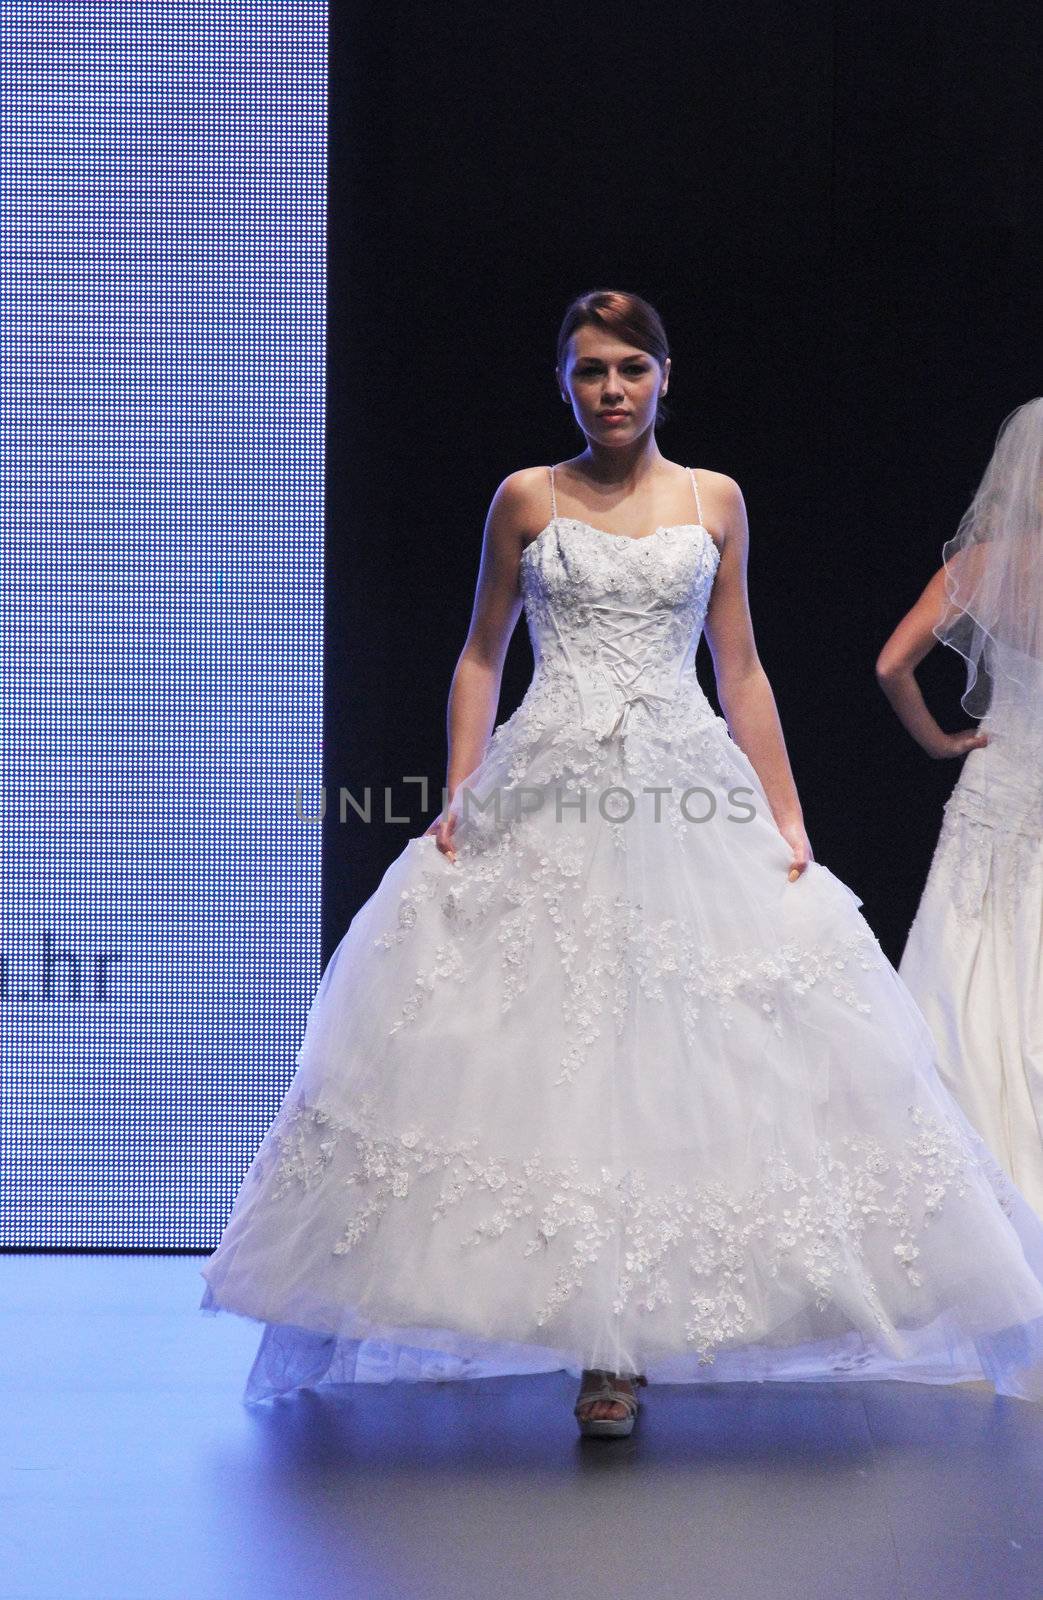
696, 1239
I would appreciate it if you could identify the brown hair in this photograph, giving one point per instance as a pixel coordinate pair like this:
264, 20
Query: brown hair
627, 316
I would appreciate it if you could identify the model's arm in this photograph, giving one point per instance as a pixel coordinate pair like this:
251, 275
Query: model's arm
474, 692
896, 674
742, 684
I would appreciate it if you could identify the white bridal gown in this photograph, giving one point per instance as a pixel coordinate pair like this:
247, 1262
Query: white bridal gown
973, 958
611, 1091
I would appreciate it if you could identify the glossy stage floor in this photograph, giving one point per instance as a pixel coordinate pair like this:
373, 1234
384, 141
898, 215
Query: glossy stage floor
132, 1471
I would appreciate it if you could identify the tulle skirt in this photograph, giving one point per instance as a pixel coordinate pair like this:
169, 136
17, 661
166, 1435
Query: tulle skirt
615, 1093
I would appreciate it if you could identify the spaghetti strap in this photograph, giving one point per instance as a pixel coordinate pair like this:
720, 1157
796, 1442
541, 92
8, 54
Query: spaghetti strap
553, 497
698, 502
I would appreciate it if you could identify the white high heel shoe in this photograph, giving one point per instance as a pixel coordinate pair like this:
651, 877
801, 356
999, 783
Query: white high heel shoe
603, 1387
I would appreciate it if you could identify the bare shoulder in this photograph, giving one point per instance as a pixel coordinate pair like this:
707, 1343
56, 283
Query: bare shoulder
723, 491
520, 508
967, 563
724, 510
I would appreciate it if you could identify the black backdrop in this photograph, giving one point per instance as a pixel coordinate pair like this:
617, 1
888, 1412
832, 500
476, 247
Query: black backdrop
836, 210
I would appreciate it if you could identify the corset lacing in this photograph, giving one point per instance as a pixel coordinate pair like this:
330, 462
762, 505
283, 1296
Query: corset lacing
625, 668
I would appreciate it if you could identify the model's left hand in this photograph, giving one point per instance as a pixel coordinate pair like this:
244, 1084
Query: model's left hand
800, 844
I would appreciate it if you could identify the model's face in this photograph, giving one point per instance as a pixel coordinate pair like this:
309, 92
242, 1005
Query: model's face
603, 376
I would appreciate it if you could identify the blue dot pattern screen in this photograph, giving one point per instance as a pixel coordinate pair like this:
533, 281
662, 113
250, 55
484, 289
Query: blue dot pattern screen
162, 331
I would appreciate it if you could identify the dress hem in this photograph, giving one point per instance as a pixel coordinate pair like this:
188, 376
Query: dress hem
291, 1357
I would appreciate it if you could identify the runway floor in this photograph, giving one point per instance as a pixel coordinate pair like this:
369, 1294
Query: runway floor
132, 1471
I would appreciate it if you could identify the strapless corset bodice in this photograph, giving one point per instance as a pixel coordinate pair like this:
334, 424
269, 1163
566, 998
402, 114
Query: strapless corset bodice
615, 622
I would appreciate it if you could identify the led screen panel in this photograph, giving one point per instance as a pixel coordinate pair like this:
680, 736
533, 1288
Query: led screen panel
162, 333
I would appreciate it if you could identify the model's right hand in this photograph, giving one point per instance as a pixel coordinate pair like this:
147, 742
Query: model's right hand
443, 829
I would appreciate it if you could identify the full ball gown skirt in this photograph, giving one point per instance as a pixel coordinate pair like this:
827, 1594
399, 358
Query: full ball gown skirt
610, 1090
973, 957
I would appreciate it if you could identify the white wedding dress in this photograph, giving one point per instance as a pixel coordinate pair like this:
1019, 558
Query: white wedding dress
973, 958
610, 1090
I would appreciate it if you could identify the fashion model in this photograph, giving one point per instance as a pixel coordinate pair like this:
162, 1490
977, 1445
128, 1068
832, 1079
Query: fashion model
973, 957
609, 1075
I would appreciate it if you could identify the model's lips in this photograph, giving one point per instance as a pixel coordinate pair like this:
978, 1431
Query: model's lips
614, 415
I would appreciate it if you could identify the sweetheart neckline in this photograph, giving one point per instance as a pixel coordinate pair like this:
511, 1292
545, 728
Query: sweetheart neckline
627, 538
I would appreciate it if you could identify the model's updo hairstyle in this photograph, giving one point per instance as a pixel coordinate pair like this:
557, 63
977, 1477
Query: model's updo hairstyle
628, 317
